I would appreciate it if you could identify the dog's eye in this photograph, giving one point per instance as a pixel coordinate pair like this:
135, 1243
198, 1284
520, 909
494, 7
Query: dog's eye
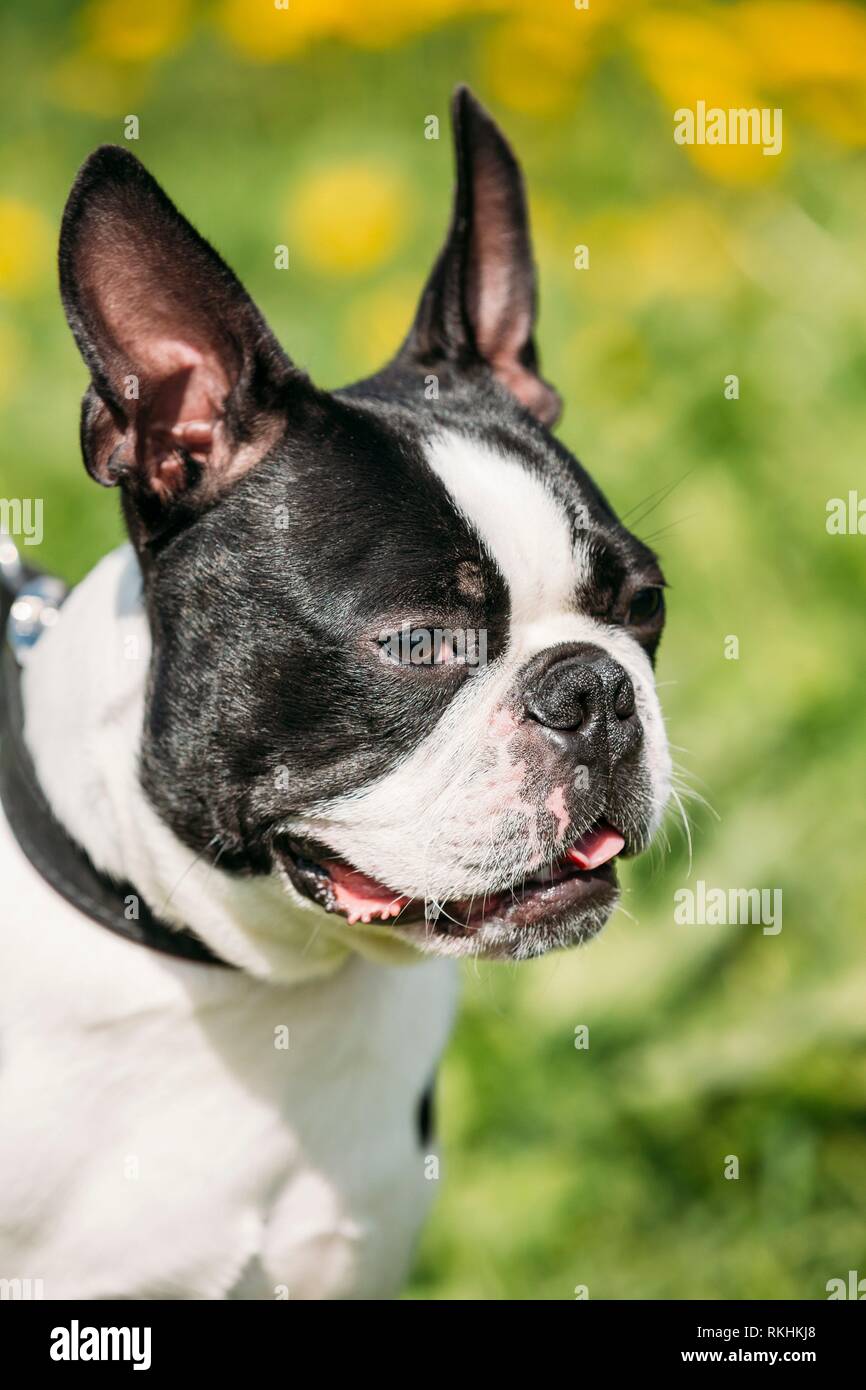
645, 606
421, 646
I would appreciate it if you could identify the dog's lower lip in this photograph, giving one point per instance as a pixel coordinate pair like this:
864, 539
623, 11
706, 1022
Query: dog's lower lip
343, 890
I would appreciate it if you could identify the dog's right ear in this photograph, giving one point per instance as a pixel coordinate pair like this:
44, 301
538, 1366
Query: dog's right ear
189, 386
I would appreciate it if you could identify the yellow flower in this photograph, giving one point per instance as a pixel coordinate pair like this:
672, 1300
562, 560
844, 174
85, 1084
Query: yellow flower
26, 247
381, 23
816, 55
269, 32
673, 46
535, 67
134, 33
797, 42
349, 217
692, 58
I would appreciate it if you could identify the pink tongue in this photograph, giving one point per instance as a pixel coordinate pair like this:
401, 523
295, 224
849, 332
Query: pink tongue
596, 848
362, 898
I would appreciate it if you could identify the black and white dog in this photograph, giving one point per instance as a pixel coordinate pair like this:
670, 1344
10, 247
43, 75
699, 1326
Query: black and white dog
226, 721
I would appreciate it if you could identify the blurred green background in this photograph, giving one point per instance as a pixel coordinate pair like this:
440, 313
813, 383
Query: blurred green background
305, 127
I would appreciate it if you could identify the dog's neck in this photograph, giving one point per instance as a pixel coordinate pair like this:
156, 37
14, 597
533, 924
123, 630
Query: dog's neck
84, 691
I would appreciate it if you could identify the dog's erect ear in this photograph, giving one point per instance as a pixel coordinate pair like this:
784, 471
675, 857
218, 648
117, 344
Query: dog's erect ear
479, 303
188, 382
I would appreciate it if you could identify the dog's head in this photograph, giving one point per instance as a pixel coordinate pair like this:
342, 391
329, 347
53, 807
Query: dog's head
402, 646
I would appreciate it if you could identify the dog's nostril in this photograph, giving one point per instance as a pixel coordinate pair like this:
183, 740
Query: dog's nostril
623, 703
565, 700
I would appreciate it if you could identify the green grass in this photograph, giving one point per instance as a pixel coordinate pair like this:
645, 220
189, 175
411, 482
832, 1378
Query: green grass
601, 1167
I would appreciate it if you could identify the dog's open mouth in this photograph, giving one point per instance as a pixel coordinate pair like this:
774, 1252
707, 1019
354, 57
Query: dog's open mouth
582, 874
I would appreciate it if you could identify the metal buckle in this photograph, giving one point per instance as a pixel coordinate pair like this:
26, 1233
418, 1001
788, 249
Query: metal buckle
36, 603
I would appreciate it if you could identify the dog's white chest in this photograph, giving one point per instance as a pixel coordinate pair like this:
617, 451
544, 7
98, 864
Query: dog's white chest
179, 1131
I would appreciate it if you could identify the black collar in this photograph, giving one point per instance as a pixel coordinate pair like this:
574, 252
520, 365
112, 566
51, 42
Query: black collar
59, 860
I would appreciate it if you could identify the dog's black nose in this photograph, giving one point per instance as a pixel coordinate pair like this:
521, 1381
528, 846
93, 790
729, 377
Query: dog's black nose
584, 701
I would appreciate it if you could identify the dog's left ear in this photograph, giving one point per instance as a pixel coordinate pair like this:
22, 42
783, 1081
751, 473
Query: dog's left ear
479, 303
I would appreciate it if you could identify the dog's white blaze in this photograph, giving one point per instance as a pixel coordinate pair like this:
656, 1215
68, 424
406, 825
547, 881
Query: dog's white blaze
526, 531
523, 526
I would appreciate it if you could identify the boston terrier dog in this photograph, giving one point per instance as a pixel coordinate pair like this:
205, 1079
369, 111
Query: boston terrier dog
261, 731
